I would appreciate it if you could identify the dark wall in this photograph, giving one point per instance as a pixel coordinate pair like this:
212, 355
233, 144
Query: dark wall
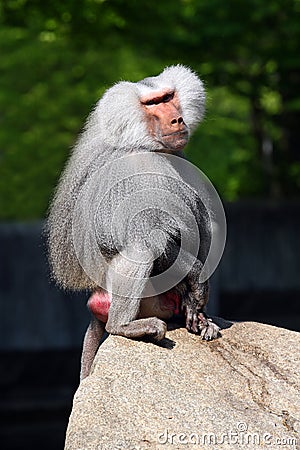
41, 327
263, 247
41, 331
261, 260
259, 275
34, 313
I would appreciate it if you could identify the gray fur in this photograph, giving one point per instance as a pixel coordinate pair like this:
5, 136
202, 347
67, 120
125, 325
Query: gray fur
115, 128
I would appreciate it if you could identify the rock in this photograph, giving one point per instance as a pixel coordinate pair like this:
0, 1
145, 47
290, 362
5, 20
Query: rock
241, 391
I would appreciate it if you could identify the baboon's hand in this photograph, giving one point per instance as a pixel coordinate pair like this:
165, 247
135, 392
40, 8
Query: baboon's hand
198, 323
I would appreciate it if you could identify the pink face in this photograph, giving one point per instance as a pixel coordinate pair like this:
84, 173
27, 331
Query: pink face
164, 119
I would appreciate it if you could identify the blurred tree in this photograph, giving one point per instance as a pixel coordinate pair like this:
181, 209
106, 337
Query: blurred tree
251, 48
50, 78
58, 57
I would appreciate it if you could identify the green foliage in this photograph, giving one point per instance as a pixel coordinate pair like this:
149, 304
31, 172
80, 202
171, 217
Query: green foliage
41, 113
57, 58
223, 146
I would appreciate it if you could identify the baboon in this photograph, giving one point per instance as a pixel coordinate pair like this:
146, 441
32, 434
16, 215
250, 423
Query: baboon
149, 121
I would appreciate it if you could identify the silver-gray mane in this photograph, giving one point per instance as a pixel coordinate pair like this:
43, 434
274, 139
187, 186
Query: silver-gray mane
115, 127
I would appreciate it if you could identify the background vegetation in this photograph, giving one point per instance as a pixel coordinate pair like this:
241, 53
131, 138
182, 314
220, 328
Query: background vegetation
58, 57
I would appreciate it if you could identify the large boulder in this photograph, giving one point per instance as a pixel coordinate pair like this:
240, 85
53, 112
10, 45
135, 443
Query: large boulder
237, 392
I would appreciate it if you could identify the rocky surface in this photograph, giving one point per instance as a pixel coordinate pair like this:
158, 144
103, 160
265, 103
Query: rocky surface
241, 391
